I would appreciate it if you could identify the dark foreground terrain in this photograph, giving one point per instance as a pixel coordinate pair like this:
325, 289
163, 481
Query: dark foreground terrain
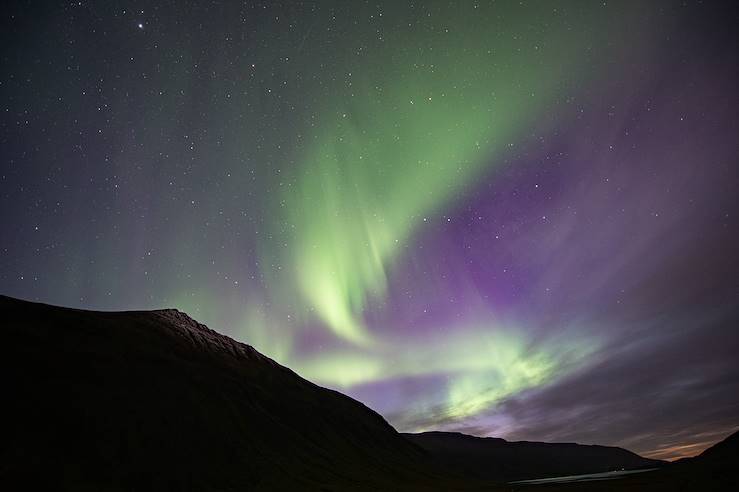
492, 458
156, 401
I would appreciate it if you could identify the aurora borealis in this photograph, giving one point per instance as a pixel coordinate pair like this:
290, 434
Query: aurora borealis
514, 219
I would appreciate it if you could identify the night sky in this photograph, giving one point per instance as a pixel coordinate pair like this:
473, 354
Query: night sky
515, 219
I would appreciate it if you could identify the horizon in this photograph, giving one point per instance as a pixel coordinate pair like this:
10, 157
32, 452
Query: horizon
502, 219
695, 449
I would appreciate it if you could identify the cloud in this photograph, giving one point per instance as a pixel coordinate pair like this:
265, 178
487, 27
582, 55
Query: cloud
668, 394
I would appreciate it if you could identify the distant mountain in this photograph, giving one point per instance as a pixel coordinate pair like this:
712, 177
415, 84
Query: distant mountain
155, 400
500, 460
714, 470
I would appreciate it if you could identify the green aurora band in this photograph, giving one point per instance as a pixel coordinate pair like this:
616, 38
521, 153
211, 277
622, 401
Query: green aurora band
395, 141
415, 126
483, 365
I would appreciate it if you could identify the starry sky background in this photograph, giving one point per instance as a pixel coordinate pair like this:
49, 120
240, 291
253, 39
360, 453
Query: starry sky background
515, 219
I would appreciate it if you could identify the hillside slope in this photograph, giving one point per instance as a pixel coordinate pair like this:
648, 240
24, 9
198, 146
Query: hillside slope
155, 400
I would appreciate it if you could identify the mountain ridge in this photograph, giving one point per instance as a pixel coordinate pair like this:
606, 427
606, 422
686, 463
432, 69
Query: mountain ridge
107, 398
494, 458
156, 400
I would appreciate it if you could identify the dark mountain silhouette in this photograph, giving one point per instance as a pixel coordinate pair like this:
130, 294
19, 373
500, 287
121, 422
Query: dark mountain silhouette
497, 459
157, 401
